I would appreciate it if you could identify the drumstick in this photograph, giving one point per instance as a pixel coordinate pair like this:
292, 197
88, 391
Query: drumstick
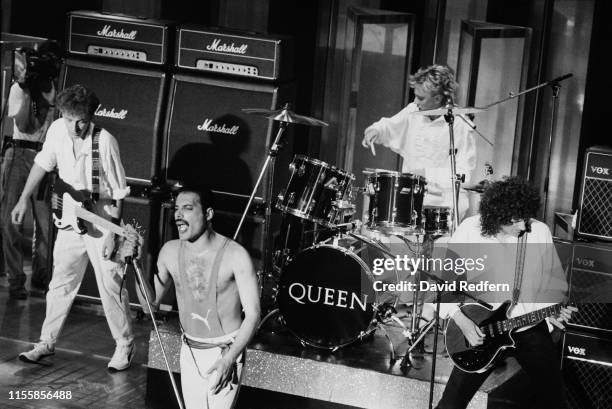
373, 149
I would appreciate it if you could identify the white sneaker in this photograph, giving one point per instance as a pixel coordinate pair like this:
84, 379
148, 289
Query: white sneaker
40, 350
122, 358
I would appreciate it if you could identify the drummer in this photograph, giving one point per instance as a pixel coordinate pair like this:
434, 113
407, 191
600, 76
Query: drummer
423, 141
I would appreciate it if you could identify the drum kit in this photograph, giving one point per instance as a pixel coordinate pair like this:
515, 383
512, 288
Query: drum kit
324, 290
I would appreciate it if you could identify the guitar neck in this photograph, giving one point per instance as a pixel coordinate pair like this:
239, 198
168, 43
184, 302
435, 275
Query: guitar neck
532, 317
98, 221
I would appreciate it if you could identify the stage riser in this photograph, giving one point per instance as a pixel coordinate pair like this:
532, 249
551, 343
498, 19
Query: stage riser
318, 380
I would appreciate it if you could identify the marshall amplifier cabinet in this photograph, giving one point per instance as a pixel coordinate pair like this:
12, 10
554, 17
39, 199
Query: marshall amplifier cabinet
591, 286
234, 53
119, 37
208, 139
131, 104
587, 371
595, 212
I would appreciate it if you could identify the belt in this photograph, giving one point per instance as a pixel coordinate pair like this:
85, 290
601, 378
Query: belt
205, 345
9, 142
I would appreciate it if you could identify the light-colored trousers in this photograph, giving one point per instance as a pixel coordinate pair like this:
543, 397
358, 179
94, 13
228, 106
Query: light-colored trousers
196, 384
70, 256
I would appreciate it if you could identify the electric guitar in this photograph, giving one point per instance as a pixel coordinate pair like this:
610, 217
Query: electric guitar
498, 330
70, 207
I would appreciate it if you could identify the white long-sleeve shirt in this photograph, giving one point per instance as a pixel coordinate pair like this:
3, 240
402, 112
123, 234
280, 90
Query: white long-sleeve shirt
57, 152
19, 107
424, 145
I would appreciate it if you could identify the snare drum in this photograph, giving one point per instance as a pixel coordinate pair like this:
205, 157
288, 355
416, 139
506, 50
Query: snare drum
396, 200
326, 294
437, 220
314, 191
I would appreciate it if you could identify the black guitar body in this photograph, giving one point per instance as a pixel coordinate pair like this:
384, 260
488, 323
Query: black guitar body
480, 358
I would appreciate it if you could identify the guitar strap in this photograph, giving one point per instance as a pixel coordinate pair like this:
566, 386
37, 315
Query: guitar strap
519, 267
95, 163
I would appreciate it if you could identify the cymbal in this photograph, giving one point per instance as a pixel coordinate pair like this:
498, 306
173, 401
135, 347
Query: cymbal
284, 115
444, 111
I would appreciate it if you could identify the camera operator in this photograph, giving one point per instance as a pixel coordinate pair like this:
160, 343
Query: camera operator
31, 106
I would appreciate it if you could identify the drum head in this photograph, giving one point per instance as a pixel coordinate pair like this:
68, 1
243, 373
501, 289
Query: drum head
326, 296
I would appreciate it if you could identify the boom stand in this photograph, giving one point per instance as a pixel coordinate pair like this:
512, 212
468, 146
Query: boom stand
270, 159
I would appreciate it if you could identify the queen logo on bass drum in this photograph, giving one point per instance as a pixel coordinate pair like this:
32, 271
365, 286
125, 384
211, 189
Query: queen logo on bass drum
303, 294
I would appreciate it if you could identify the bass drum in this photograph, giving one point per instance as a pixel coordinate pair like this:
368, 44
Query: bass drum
326, 294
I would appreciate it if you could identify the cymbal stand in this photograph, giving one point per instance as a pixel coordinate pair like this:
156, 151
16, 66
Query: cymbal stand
455, 179
269, 162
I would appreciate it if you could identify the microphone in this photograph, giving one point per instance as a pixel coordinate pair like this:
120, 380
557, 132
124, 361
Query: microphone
559, 79
349, 225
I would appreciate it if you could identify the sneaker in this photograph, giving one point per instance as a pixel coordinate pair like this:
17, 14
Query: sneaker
122, 358
40, 350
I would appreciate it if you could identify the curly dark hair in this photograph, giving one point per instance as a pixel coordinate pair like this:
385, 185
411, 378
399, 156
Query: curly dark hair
505, 200
78, 100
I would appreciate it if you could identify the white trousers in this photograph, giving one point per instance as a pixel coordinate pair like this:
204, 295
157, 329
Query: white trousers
70, 256
196, 384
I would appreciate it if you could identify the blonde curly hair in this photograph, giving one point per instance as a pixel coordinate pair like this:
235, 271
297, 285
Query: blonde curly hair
439, 79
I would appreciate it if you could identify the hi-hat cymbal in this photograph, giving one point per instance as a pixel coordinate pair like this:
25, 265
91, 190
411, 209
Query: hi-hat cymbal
285, 115
444, 111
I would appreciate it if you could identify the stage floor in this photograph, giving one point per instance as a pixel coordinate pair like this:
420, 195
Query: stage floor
280, 374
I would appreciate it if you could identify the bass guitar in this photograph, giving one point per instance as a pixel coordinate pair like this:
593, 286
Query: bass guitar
496, 327
70, 207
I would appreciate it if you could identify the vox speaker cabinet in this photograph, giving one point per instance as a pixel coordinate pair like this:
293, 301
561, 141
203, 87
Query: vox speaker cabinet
145, 213
595, 211
119, 37
208, 139
587, 370
591, 286
236, 53
131, 104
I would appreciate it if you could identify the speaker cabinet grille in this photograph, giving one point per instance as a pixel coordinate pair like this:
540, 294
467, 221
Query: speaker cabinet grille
210, 140
131, 103
587, 371
595, 216
591, 286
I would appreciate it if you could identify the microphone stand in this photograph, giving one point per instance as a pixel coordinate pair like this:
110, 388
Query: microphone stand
556, 86
139, 279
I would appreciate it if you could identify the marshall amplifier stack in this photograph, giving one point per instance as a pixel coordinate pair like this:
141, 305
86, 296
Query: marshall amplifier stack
125, 61
208, 138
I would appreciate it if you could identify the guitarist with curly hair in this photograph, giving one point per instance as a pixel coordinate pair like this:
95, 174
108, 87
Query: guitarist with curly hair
506, 222
87, 160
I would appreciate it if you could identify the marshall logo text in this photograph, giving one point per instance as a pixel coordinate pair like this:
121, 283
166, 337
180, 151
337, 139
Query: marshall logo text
328, 296
209, 126
111, 113
227, 48
107, 32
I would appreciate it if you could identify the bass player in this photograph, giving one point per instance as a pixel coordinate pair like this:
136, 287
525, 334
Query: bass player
87, 158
